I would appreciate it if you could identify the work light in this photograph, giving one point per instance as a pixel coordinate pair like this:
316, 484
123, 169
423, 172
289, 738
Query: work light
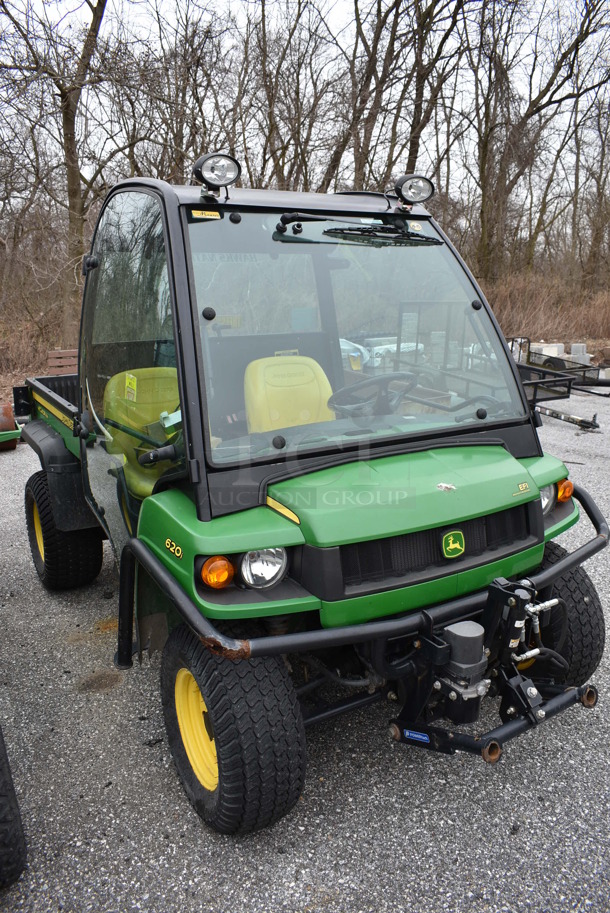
414, 188
216, 170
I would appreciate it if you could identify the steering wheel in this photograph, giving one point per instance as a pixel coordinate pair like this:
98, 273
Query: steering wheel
384, 402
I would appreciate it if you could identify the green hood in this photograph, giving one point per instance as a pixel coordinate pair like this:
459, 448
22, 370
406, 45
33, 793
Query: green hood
371, 499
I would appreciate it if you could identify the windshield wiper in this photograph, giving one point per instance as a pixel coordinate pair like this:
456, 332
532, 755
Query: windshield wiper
289, 218
380, 234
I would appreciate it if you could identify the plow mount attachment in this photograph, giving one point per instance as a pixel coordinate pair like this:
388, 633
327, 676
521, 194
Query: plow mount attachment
490, 746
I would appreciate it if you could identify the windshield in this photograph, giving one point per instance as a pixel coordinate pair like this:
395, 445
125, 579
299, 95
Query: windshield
324, 333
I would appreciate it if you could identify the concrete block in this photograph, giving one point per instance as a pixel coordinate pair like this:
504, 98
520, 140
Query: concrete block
548, 348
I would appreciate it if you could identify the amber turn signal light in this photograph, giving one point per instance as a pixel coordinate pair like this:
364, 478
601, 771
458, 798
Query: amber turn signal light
565, 490
217, 572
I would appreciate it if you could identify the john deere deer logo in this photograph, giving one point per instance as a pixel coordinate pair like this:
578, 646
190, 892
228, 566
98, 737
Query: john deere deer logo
453, 544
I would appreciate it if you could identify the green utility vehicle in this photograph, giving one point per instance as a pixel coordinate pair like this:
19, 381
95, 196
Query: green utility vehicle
298, 424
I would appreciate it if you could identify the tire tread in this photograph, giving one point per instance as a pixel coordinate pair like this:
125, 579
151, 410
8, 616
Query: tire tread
259, 732
583, 646
71, 559
12, 839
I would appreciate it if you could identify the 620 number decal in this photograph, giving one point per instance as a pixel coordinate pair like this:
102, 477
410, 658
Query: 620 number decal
171, 546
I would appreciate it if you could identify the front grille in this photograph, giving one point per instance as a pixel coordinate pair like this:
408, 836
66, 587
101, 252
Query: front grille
416, 553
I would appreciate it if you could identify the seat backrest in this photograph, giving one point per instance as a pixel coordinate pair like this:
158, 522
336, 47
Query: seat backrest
133, 402
285, 390
137, 398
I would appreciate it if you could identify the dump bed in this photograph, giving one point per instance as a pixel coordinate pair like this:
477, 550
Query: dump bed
61, 389
53, 400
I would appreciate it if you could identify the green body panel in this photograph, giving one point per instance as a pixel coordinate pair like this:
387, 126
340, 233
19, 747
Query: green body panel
172, 514
63, 426
373, 499
553, 531
545, 470
378, 605
356, 502
169, 526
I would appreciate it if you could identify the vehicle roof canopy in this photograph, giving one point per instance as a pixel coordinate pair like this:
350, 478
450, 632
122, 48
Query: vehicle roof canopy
353, 201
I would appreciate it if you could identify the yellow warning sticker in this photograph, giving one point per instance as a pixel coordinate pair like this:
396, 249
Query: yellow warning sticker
229, 320
205, 214
131, 387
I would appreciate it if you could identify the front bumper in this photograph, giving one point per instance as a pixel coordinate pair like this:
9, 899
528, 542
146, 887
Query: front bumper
422, 622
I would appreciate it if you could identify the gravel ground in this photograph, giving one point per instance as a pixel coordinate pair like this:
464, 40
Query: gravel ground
380, 827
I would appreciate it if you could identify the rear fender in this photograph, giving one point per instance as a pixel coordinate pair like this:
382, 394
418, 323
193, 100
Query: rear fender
70, 509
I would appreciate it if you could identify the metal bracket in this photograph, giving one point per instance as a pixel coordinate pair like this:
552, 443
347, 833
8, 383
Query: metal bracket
505, 600
520, 697
490, 745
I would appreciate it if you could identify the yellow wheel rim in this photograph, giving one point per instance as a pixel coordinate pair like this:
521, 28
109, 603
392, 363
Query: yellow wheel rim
38, 530
126, 516
196, 730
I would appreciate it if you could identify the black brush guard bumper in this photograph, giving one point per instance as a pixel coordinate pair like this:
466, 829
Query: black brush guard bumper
418, 622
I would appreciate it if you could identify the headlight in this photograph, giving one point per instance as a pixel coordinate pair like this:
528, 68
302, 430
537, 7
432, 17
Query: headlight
264, 568
548, 496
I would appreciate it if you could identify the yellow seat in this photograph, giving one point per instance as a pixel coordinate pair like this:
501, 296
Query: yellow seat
284, 391
133, 402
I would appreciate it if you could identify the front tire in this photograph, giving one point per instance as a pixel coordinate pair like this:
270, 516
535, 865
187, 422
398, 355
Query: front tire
63, 560
582, 642
12, 840
236, 734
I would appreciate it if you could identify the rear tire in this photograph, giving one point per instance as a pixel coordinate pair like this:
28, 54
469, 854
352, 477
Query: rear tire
236, 734
582, 643
554, 363
63, 560
12, 839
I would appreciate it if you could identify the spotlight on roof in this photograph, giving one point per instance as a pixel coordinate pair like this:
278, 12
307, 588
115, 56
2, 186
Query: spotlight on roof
414, 188
216, 170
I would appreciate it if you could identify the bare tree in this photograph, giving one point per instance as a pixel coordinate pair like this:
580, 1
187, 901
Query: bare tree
41, 55
503, 102
278, 88
596, 266
523, 78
